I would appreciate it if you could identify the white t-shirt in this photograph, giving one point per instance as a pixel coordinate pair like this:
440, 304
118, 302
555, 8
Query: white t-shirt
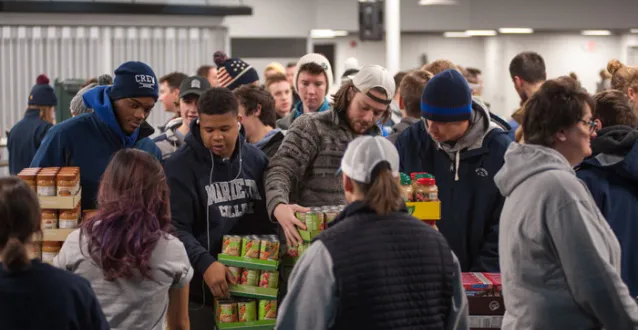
137, 303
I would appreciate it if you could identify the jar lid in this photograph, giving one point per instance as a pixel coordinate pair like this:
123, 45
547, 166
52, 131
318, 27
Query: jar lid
52, 244
426, 181
46, 175
405, 179
413, 175
423, 175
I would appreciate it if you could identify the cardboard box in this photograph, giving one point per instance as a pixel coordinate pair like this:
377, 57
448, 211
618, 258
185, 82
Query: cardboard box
486, 305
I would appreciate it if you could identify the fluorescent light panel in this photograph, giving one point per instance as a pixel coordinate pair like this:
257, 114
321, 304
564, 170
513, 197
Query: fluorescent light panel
455, 34
634, 30
595, 32
437, 2
515, 30
481, 33
327, 33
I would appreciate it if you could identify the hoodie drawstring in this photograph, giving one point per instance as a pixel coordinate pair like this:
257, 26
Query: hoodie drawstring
457, 159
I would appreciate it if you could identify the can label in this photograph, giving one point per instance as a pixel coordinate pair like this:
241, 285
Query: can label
302, 248
236, 273
269, 280
249, 277
292, 250
49, 224
68, 224
269, 249
267, 309
301, 216
250, 247
46, 190
247, 311
227, 312
231, 245
312, 222
47, 257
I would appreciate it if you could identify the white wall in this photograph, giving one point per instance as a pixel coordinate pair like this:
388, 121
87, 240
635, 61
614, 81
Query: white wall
274, 18
563, 53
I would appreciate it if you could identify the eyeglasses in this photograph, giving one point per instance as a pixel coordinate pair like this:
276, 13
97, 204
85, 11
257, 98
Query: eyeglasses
593, 126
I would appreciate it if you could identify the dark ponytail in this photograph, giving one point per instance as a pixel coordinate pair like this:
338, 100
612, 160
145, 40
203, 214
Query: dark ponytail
19, 220
15, 255
384, 194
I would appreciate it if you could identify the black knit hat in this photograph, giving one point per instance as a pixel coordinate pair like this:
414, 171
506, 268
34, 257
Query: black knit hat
42, 93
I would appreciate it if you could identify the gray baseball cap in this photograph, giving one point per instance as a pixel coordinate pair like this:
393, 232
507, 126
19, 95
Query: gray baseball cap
371, 76
365, 153
194, 85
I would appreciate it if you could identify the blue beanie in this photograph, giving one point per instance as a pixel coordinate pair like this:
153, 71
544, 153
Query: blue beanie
447, 97
233, 72
42, 93
134, 79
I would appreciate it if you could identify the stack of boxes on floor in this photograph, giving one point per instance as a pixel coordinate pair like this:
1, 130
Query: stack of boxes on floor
58, 190
254, 262
483, 292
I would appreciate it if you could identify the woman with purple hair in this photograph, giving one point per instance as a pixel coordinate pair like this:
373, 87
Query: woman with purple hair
139, 272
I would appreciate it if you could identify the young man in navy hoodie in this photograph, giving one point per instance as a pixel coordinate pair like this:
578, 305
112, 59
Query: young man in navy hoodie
463, 147
118, 121
217, 188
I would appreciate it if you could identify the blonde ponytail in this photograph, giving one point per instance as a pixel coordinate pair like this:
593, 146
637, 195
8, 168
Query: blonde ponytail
384, 194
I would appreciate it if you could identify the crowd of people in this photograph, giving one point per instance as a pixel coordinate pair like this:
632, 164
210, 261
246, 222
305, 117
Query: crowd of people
545, 198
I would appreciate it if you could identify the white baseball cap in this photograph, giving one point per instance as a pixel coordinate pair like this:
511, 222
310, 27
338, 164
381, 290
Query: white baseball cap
371, 76
365, 153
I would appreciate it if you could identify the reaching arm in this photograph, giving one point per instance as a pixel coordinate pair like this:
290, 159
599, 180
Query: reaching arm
52, 151
177, 314
593, 281
298, 149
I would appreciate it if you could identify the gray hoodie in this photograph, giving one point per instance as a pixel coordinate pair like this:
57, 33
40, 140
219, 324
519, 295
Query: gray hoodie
560, 261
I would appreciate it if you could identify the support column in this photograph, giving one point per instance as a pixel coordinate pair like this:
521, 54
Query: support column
393, 35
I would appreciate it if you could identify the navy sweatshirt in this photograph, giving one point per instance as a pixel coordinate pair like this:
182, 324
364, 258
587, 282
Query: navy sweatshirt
24, 140
471, 206
227, 196
42, 297
611, 174
89, 141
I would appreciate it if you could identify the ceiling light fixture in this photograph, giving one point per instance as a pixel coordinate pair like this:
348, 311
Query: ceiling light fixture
453, 34
634, 30
516, 30
595, 32
327, 33
437, 2
481, 33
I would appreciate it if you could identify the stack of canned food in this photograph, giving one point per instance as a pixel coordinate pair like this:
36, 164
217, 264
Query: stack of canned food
253, 246
245, 310
254, 277
317, 219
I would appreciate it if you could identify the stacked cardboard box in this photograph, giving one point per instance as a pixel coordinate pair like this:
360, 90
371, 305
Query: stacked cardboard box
486, 305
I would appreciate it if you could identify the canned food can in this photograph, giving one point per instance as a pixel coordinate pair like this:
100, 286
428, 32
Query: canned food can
301, 216
249, 277
321, 220
231, 245
250, 247
265, 248
269, 280
292, 250
311, 221
236, 272
226, 311
330, 215
247, 311
303, 248
267, 309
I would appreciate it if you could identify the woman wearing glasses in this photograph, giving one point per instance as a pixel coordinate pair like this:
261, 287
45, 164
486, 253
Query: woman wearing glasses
560, 261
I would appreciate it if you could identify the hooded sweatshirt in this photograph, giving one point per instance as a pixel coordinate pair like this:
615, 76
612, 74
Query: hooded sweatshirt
25, 139
611, 174
464, 172
171, 139
560, 261
212, 197
271, 142
285, 122
89, 141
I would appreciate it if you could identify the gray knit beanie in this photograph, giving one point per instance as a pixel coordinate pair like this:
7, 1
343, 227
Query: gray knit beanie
77, 106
